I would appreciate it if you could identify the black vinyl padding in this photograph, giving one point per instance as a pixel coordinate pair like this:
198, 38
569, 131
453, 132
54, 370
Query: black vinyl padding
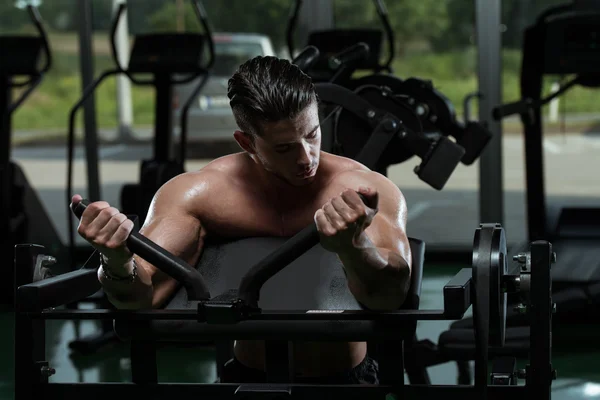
314, 281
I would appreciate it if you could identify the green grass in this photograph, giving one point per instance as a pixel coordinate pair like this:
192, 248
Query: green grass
453, 73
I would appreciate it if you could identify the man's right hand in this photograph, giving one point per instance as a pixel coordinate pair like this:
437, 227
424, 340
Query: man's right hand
107, 230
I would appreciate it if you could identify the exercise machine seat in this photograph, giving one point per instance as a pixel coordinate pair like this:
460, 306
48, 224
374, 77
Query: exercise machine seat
316, 280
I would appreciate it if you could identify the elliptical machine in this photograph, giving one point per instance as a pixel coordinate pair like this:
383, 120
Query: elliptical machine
171, 59
19, 57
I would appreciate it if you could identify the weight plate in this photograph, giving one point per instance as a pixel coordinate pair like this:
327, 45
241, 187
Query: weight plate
489, 268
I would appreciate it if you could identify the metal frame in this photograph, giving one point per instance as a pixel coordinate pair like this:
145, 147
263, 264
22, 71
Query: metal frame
488, 33
86, 61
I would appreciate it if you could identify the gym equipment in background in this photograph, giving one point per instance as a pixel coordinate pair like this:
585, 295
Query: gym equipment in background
427, 113
20, 57
333, 41
171, 59
563, 40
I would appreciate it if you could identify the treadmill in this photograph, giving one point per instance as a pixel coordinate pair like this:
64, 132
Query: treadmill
564, 40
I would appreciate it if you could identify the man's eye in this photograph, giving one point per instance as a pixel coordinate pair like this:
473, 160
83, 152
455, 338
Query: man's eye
283, 149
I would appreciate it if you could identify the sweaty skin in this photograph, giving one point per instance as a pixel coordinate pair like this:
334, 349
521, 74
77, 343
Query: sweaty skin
258, 192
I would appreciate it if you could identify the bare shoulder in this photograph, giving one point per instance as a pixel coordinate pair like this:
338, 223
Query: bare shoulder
194, 191
351, 173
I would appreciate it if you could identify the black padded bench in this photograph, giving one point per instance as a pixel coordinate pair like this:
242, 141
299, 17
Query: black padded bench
314, 281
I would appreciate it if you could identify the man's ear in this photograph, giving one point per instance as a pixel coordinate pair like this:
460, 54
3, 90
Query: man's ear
245, 141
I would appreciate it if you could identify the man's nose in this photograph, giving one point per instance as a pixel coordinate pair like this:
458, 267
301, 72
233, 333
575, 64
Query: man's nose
304, 157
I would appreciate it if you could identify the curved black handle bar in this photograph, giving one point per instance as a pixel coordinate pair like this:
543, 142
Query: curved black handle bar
35, 80
192, 280
177, 268
307, 58
357, 52
383, 15
291, 27
37, 21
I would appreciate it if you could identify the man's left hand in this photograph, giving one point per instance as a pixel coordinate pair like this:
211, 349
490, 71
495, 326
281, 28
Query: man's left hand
343, 219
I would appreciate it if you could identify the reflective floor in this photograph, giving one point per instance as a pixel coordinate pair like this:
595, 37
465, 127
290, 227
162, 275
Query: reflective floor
578, 370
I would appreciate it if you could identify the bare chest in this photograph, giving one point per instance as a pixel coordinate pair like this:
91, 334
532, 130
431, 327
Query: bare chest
240, 214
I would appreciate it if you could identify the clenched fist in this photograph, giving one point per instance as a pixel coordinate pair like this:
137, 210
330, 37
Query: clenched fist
106, 229
342, 220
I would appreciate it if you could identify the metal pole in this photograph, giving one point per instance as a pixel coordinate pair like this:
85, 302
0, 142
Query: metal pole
86, 59
124, 106
489, 48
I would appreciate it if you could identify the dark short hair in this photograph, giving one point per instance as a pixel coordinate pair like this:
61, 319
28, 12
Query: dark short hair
268, 89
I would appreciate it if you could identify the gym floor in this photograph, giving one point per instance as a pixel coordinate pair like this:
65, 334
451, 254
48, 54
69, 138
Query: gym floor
578, 368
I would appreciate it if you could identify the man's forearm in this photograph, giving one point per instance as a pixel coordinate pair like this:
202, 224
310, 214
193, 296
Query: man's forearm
125, 294
378, 278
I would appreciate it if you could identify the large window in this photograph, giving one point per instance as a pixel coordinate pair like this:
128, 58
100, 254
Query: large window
570, 129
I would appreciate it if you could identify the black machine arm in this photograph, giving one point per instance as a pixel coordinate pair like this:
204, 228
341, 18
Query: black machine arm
175, 267
383, 15
524, 106
37, 21
306, 58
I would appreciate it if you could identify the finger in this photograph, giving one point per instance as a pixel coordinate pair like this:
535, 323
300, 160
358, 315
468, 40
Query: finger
102, 218
323, 224
354, 201
342, 208
119, 238
92, 211
371, 196
335, 219
109, 229
75, 199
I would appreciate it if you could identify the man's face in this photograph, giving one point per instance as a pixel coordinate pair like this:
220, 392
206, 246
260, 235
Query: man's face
290, 149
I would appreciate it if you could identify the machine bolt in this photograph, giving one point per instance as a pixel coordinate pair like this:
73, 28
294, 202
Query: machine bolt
553, 259
371, 114
402, 134
390, 125
521, 258
433, 119
48, 260
47, 371
553, 308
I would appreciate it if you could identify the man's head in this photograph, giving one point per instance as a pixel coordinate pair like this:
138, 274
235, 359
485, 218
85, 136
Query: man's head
276, 108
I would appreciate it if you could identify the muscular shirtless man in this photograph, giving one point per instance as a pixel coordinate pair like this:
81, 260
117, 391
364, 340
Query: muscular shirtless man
278, 185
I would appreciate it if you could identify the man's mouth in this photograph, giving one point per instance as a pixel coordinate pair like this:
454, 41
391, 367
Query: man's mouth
308, 173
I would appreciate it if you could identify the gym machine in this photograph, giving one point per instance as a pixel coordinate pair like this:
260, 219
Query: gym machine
20, 56
415, 103
171, 59
563, 40
332, 41
255, 309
